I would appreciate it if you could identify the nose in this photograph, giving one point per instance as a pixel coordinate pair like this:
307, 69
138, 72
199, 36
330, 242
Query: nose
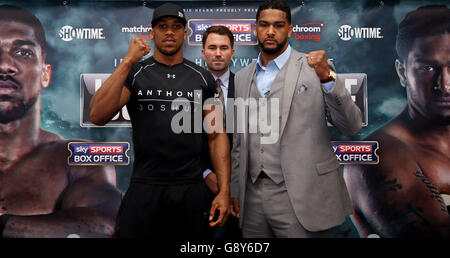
7, 66
443, 80
170, 30
271, 30
218, 52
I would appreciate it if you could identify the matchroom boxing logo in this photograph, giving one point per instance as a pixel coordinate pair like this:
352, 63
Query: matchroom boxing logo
308, 31
68, 33
142, 30
346, 33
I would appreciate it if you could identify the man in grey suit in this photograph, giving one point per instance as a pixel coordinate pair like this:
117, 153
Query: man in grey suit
290, 187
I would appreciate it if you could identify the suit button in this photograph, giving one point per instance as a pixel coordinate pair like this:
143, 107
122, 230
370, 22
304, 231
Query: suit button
262, 150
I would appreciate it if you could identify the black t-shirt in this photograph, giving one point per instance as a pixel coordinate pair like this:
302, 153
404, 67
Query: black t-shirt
162, 155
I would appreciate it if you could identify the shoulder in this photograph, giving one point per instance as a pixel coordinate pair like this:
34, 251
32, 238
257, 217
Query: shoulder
296, 54
193, 66
246, 71
206, 76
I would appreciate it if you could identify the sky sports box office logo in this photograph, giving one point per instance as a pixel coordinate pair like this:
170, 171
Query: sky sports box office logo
356, 152
242, 30
355, 83
98, 153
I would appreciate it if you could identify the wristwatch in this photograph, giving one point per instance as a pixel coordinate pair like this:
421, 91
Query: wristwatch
331, 77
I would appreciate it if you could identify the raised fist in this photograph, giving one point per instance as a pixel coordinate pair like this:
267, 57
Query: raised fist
138, 48
318, 61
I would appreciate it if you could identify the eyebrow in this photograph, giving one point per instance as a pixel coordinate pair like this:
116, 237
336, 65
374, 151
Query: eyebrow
275, 22
20, 42
426, 61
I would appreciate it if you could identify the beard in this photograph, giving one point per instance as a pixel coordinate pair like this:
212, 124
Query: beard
271, 51
16, 112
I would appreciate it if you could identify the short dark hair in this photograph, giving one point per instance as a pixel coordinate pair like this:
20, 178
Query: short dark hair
219, 29
425, 21
11, 13
275, 4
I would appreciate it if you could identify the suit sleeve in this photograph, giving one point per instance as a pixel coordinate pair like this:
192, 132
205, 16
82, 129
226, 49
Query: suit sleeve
341, 110
235, 153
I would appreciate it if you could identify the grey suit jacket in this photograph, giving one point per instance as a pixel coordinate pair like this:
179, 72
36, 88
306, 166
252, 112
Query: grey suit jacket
314, 182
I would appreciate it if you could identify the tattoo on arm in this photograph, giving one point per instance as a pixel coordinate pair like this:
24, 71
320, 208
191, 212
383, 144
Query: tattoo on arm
392, 185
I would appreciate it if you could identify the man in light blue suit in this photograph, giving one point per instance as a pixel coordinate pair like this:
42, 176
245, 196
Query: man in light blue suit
290, 186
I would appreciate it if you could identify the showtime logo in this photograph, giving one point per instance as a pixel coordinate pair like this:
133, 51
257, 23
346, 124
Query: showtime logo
68, 33
346, 32
308, 31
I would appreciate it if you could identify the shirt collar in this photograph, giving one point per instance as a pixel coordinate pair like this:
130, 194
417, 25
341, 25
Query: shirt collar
280, 61
224, 78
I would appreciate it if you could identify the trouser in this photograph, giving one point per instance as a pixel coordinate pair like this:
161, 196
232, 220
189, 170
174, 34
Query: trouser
269, 212
164, 211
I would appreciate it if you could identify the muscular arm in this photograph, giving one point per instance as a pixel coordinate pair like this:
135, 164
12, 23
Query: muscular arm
112, 96
219, 147
395, 198
88, 208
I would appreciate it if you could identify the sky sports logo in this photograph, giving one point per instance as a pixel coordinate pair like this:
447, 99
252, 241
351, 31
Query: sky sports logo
346, 32
308, 31
242, 30
68, 33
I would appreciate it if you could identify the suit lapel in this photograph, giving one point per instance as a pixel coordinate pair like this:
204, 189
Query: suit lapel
231, 95
292, 76
231, 86
246, 95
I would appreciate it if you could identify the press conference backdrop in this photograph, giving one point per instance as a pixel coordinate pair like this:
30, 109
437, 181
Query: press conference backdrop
87, 39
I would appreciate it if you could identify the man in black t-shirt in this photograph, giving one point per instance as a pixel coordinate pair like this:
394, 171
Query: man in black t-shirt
164, 95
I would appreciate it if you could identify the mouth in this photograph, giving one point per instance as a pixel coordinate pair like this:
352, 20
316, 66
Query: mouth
8, 87
169, 41
443, 101
270, 41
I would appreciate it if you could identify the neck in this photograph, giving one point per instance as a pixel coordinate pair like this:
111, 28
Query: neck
169, 60
19, 137
266, 58
426, 131
218, 73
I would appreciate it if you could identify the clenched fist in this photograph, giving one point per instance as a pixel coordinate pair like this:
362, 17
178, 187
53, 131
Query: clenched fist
138, 48
318, 61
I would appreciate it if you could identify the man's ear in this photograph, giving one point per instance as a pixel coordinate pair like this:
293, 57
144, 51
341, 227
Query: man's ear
152, 36
401, 72
46, 75
291, 27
